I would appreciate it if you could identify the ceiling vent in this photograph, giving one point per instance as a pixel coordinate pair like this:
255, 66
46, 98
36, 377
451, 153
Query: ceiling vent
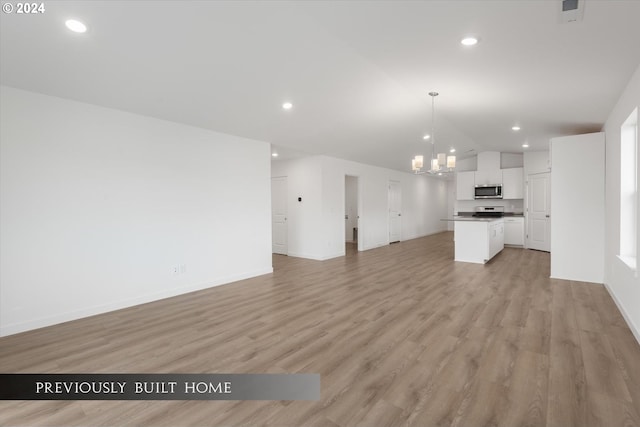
571, 11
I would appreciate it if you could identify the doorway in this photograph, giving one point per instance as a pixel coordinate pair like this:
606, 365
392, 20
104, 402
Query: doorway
395, 216
279, 230
539, 212
351, 214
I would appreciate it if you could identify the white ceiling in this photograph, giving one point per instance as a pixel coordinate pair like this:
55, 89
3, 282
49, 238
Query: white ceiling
358, 72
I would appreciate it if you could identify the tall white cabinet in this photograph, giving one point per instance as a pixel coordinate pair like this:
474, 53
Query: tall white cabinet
578, 207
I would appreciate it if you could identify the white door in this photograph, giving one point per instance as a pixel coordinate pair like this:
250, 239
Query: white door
279, 215
539, 212
395, 216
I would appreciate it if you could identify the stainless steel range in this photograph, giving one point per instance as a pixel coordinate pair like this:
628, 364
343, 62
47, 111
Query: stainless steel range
489, 211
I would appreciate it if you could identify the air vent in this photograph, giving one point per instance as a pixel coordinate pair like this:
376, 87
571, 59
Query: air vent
571, 11
568, 5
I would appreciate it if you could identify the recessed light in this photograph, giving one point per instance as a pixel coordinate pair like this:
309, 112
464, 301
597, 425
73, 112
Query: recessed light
525, 145
274, 154
287, 106
75, 26
469, 41
515, 128
439, 173
453, 150
426, 136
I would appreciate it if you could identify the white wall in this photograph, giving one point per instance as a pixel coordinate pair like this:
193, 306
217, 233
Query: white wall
424, 204
305, 181
577, 208
511, 160
488, 160
536, 162
451, 202
468, 164
623, 283
98, 205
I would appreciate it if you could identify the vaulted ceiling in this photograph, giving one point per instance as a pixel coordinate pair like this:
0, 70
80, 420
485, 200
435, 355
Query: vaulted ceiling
357, 72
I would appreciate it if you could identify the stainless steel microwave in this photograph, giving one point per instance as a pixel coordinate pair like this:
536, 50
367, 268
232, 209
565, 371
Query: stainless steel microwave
488, 192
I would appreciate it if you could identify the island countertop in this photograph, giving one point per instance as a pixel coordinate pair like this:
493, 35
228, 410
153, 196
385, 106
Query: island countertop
477, 239
473, 219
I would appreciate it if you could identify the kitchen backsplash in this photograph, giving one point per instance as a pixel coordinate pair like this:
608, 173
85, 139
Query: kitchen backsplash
515, 206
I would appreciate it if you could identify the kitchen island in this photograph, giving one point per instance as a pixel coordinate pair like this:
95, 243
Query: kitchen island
477, 240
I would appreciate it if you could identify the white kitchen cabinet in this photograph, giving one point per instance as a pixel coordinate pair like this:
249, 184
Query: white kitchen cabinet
488, 177
496, 238
465, 183
478, 240
514, 231
513, 183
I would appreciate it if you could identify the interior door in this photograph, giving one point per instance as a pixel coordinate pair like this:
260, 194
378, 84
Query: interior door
539, 212
395, 216
279, 215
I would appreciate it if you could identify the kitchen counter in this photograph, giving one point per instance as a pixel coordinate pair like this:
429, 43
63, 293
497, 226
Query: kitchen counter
470, 213
477, 240
473, 218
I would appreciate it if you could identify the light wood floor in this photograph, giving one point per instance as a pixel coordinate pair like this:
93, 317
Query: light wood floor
401, 335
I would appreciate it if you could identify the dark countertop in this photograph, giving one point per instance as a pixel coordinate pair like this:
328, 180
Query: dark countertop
468, 218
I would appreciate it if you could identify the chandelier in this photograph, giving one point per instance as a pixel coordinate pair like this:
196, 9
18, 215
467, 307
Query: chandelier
440, 163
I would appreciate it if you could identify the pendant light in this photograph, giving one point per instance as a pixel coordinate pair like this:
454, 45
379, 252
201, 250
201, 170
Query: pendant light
435, 161
440, 161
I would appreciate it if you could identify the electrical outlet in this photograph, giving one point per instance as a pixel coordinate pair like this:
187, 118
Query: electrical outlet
175, 269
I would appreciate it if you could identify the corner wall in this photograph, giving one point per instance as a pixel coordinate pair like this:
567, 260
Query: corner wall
98, 206
577, 207
304, 179
623, 283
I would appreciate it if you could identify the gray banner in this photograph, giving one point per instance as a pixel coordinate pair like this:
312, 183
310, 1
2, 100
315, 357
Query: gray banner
159, 386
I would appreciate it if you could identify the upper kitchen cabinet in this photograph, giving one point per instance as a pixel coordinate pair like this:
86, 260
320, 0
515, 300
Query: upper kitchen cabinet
513, 183
488, 177
488, 172
465, 183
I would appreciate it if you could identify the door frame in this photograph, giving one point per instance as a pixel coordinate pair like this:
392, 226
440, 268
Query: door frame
360, 241
358, 204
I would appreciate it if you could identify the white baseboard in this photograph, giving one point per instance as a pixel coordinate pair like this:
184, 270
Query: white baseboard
117, 305
634, 330
315, 257
430, 233
363, 248
577, 279
334, 255
305, 256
